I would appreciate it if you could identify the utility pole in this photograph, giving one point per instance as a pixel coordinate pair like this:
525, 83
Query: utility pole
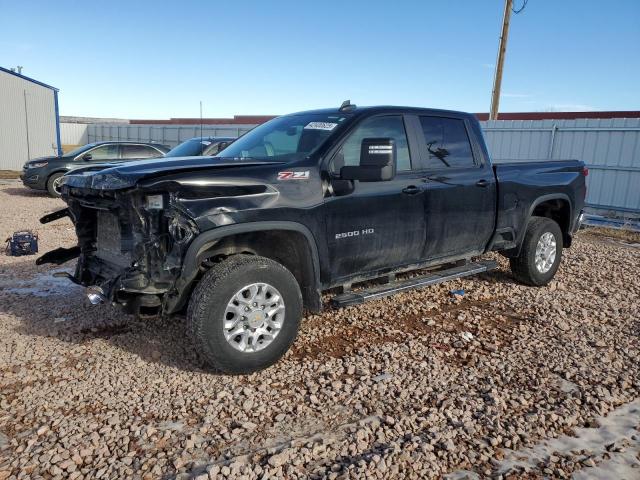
502, 48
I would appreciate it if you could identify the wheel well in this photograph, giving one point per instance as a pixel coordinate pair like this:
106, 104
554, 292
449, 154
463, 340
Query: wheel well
558, 210
287, 247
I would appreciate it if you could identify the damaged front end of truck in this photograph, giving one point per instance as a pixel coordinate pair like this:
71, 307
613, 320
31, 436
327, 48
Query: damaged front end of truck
131, 241
135, 224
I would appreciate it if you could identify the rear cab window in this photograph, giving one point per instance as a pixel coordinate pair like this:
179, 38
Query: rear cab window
447, 143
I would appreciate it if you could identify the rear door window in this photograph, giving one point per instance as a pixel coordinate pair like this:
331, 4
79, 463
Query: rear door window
447, 142
139, 151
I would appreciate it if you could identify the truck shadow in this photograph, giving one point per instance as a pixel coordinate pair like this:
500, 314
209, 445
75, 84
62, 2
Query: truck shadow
46, 306
25, 192
498, 276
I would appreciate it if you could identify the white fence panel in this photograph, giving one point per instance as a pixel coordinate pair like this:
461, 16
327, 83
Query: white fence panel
74, 134
170, 135
609, 147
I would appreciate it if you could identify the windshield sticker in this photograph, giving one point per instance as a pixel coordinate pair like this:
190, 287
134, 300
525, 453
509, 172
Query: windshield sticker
303, 175
206, 142
320, 126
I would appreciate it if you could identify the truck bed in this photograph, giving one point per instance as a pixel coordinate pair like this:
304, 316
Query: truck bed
523, 186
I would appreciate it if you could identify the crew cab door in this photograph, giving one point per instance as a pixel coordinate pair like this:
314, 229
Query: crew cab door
374, 225
460, 188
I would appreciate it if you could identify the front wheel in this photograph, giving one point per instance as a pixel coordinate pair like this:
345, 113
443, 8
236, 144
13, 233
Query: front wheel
244, 314
541, 252
53, 184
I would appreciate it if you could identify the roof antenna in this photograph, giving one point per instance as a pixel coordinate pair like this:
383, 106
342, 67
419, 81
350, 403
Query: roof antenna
346, 106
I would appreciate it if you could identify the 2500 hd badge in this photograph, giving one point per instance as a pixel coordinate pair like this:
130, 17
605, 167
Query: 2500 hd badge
355, 233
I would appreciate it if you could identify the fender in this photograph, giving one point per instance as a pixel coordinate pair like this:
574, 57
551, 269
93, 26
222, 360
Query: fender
552, 196
64, 171
191, 264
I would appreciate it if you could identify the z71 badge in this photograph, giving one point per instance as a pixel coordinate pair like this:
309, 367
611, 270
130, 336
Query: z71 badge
303, 175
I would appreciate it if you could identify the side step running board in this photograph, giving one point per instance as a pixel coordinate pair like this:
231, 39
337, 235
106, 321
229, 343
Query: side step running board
433, 278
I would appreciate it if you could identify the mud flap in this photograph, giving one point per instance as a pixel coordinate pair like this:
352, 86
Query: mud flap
59, 256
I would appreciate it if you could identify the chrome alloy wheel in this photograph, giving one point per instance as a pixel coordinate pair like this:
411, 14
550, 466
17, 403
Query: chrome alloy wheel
545, 252
253, 317
56, 185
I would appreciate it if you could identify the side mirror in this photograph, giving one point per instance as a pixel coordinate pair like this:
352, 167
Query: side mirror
377, 161
87, 157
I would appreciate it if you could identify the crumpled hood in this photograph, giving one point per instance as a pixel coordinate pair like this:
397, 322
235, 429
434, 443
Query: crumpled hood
127, 175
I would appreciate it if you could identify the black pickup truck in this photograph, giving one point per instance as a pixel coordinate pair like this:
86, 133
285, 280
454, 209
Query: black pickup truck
308, 203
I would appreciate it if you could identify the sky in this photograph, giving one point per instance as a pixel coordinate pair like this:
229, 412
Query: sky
158, 59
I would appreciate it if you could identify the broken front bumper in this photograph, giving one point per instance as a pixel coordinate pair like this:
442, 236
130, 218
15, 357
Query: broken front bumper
127, 253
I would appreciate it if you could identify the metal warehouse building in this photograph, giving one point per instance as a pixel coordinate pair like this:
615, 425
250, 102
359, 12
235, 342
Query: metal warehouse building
29, 121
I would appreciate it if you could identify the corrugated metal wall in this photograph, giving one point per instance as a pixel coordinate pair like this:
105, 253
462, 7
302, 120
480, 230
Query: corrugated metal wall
609, 147
170, 135
27, 121
74, 134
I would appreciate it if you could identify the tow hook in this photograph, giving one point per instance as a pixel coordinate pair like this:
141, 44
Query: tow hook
95, 295
66, 275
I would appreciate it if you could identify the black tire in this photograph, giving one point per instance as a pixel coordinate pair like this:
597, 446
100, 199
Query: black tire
523, 266
51, 184
208, 303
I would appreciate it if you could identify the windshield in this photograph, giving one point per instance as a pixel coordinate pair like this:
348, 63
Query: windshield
190, 148
77, 151
284, 139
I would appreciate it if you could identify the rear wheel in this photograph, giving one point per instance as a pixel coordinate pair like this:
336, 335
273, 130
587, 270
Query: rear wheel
541, 252
53, 184
244, 314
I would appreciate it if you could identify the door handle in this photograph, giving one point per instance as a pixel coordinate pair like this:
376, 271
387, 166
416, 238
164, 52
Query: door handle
411, 190
482, 183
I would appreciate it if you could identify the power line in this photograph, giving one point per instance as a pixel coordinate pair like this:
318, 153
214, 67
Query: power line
524, 4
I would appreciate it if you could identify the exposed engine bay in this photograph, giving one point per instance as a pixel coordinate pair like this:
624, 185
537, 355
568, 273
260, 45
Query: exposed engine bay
130, 244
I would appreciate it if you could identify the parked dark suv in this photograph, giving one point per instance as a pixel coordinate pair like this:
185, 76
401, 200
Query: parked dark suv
44, 173
200, 146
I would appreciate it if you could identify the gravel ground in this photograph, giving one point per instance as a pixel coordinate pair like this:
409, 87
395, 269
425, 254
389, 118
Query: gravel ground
419, 385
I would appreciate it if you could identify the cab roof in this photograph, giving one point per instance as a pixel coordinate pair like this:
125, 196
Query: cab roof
356, 111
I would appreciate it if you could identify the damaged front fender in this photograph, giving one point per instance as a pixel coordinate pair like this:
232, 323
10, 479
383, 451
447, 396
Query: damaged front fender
135, 225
